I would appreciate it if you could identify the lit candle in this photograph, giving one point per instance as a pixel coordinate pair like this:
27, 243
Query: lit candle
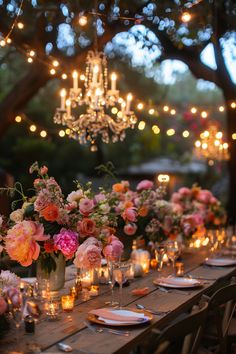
75, 79
97, 93
165, 258
179, 269
129, 99
74, 292
95, 73
68, 108
94, 290
130, 273
113, 81
145, 265
22, 286
86, 280
52, 309
67, 303
63, 98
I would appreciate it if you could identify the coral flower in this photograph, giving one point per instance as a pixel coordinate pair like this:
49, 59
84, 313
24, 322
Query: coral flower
143, 211
128, 204
87, 227
21, 242
118, 188
129, 214
50, 213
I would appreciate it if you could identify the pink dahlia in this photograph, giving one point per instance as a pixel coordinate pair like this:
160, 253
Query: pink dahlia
66, 242
145, 184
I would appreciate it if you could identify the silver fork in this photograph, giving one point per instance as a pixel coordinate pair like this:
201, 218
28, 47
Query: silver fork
104, 329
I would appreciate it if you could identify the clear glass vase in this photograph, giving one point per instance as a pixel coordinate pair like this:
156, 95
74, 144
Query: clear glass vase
55, 279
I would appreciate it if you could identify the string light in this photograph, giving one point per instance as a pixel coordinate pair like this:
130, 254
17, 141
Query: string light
2, 43
172, 112
33, 128
186, 17
43, 133
52, 71
204, 114
62, 133
185, 133
221, 108
234, 136
30, 60
64, 76
141, 125
114, 110
18, 119
8, 40
156, 129
83, 21
55, 63
170, 132
151, 111
20, 25
67, 131
82, 77
233, 105
193, 110
31, 53
165, 108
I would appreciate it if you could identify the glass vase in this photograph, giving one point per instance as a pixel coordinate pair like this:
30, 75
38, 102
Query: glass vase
56, 278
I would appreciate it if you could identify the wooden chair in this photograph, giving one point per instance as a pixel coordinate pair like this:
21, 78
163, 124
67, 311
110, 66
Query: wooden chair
183, 336
221, 310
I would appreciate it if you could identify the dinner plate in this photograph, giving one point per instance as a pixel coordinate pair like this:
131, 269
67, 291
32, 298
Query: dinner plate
177, 282
147, 318
221, 262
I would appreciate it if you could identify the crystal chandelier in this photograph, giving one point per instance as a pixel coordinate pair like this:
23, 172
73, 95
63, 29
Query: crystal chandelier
98, 99
211, 145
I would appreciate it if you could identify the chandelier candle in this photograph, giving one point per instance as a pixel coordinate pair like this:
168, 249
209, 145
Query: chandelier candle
113, 81
63, 98
75, 80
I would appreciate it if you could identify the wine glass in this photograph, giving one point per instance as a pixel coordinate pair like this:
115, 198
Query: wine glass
111, 281
17, 316
160, 250
173, 251
119, 271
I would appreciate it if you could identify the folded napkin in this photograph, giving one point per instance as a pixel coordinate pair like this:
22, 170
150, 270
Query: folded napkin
140, 291
177, 281
118, 315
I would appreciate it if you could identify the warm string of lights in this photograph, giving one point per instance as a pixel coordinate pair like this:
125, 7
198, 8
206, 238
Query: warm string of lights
6, 39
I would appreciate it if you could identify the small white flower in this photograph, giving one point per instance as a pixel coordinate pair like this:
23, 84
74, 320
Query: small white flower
104, 208
17, 215
8, 279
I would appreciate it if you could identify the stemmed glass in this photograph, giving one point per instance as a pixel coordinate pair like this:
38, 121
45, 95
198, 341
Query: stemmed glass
119, 271
110, 264
160, 250
16, 311
173, 251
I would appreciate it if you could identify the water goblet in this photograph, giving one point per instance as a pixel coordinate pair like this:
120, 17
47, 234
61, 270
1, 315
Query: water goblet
111, 281
119, 274
160, 250
173, 251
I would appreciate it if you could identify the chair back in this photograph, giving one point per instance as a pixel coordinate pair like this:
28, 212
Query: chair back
172, 338
222, 315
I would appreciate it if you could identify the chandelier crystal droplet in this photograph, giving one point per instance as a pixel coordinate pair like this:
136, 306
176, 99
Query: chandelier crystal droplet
98, 98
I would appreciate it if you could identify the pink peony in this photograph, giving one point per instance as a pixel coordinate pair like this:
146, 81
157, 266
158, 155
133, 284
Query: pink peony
86, 206
176, 198
130, 229
204, 196
66, 242
3, 306
114, 249
21, 242
75, 196
129, 214
86, 227
213, 200
89, 254
145, 184
185, 192
100, 198
43, 200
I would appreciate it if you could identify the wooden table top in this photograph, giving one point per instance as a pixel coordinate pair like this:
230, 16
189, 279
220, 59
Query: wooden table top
70, 328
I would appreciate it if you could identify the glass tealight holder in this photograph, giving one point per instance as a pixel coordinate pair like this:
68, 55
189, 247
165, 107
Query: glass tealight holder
67, 303
52, 309
179, 269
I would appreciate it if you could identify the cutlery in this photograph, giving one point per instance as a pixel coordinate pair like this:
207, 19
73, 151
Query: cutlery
183, 292
104, 329
158, 313
64, 347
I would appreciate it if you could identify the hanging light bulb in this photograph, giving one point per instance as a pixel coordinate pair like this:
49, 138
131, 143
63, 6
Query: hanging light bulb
186, 17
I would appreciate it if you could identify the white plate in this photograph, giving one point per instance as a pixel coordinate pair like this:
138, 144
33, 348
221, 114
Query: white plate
144, 318
29, 280
177, 282
220, 262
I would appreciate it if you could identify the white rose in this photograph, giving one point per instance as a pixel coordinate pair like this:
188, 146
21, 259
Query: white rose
74, 196
105, 208
17, 215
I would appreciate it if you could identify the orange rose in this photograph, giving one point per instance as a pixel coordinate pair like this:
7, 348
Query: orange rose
143, 211
128, 204
118, 188
50, 213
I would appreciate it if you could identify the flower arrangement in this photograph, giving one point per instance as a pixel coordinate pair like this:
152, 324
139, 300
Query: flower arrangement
48, 224
199, 209
144, 212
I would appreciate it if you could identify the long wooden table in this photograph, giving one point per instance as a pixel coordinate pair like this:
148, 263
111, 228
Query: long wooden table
71, 328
